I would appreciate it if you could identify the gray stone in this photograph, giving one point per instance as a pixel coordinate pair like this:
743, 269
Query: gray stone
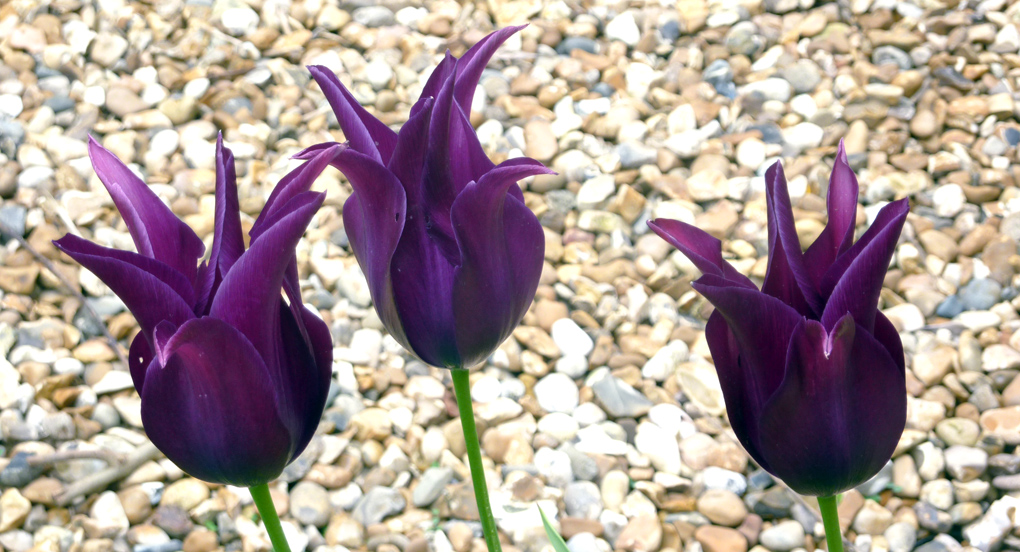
619, 399
804, 76
309, 504
18, 472
583, 500
13, 216
634, 155
980, 294
891, 54
431, 486
378, 504
374, 16
714, 477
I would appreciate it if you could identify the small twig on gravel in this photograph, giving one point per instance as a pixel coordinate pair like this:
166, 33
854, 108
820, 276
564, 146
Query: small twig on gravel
112, 341
108, 456
104, 478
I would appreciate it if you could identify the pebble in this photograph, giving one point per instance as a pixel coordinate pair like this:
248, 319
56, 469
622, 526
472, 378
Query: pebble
722, 507
619, 399
720, 539
309, 504
570, 338
582, 500
378, 504
431, 486
783, 536
556, 392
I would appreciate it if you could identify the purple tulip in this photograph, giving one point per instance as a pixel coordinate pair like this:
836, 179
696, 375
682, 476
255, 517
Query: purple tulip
812, 372
451, 253
233, 380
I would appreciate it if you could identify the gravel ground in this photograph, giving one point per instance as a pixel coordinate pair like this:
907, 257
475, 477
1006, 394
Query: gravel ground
604, 407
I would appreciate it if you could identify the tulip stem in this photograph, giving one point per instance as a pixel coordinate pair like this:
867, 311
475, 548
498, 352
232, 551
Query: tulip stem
462, 390
264, 503
830, 519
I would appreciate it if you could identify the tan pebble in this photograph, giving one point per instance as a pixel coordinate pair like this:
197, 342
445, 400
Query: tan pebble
19, 280
722, 507
461, 536
185, 494
720, 539
1003, 422
200, 540
642, 534
924, 124
14, 508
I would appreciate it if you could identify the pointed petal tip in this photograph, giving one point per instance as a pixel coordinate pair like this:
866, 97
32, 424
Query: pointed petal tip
775, 170
318, 71
161, 336
96, 149
318, 149
902, 206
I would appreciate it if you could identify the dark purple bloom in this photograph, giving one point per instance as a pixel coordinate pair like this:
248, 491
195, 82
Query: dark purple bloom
451, 253
812, 372
233, 380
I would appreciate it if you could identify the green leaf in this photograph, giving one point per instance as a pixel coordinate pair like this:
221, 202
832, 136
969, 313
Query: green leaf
554, 538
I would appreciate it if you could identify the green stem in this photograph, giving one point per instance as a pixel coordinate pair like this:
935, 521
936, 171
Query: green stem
462, 389
260, 493
830, 519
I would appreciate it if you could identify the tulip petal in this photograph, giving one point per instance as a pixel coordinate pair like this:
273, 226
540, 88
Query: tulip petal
139, 357
889, 337
228, 242
471, 163
151, 290
859, 286
374, 218
838, 234
501, 247
365, 133
249, 297
435, 82
786, 278
426, 255
703, 249
306, 365
422, 284
316, 149
408, 159
437, 189
473, 62
156, 231
762, 354
732, 378
211, 408
892, 214
839, 413
294, 183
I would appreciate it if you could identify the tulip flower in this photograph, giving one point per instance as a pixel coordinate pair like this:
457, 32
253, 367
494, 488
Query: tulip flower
812, 373
232, 378
451, 253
